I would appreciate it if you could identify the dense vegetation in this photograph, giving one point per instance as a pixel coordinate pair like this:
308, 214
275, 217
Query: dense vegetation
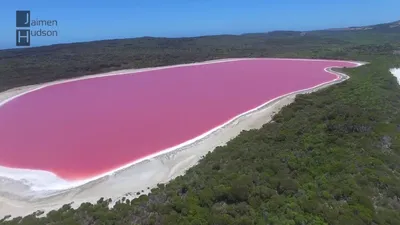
36, 65
331, 157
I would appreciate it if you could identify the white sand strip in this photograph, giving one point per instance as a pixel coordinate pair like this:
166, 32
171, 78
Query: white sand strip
158, 168
396, 73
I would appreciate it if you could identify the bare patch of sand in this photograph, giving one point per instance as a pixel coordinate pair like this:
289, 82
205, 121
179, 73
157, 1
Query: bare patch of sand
396, 73
140, 177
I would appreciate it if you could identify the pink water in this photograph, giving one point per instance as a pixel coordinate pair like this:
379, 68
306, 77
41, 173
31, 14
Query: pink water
85, 128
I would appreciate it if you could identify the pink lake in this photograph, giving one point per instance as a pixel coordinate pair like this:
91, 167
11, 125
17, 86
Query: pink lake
84, 128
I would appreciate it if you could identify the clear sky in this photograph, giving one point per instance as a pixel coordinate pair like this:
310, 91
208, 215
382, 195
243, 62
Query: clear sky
84, 20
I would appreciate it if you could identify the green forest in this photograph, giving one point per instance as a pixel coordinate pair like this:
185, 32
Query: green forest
330, 158
34, 65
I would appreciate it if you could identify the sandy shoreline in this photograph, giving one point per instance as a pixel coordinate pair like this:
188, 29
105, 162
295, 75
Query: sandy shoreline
396, 73
143, 175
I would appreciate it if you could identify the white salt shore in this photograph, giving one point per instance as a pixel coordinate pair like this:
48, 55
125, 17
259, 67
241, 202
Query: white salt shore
396, 73
25, 191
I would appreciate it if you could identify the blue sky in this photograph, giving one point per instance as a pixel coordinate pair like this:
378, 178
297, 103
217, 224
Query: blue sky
85, 20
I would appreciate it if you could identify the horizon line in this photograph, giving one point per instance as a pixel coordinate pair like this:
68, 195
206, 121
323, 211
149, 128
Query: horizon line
195, 36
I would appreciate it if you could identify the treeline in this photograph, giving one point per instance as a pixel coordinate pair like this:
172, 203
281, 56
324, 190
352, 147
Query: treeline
20, 67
